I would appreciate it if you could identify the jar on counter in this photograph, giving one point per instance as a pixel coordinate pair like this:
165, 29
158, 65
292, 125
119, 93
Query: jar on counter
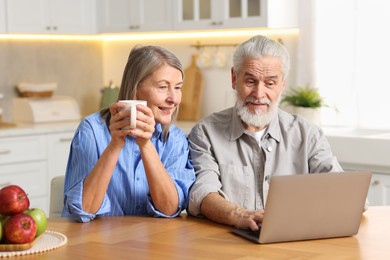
109, 95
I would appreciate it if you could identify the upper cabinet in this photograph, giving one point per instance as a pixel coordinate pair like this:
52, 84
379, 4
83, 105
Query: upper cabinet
121, 16
225, 14
2, 16
51, 16
134, 15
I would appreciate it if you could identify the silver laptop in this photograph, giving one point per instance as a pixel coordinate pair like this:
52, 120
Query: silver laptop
312, 206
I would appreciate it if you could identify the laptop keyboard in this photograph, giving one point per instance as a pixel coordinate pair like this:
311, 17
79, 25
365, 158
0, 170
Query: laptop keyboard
253, 233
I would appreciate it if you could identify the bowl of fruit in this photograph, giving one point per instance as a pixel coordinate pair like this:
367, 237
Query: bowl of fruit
20, 225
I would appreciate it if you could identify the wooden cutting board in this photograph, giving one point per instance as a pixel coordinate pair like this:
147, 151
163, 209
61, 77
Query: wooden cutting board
192, 92
18, 247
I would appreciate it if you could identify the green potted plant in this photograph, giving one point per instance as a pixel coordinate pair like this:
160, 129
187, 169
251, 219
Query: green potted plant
305, 101
304, 97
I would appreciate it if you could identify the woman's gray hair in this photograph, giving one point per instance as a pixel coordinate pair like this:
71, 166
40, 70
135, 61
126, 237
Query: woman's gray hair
143, 61
261, 46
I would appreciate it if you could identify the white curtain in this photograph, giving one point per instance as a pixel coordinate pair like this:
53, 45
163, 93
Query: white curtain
344, 51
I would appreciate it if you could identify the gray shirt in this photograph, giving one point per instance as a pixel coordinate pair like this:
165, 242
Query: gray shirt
237, 166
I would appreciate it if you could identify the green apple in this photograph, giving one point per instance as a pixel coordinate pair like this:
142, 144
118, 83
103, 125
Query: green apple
3, 219
1, 231
40, 219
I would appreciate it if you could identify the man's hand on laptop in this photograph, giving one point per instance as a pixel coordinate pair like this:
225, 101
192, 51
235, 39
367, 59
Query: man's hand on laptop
248, 218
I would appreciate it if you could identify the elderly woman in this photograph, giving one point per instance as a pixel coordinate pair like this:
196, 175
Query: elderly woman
112, 171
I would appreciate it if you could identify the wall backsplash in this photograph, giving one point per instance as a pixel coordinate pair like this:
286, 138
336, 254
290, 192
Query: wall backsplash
75, 65
218, 93
82, 68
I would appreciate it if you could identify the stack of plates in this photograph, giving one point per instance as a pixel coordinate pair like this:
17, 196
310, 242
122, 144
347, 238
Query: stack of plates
36, 90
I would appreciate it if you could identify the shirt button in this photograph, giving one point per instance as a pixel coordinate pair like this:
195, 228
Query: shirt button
269, 149
137, 178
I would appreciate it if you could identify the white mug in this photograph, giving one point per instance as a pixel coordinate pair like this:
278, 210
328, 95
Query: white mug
132, 106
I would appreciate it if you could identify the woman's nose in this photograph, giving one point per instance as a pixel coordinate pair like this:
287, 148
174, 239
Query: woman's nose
174, 96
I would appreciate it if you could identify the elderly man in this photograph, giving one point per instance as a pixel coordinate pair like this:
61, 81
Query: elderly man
236, 151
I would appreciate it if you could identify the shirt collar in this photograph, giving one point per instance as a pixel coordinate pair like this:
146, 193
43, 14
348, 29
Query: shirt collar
157, 132
273, 129
237, 129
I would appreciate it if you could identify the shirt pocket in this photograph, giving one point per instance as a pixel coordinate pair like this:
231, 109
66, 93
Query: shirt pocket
236, 180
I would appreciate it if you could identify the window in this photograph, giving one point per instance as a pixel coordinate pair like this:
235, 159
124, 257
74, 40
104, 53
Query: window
351, 57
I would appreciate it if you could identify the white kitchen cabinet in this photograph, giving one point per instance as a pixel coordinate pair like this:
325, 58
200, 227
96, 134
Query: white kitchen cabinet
58, 147
30, 156
379, 193
23, 162
225, 14
22, 149
51, 16
134, 15
2, 16
31, 176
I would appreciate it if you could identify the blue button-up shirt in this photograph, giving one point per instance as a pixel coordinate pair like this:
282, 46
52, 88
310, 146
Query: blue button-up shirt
128, 191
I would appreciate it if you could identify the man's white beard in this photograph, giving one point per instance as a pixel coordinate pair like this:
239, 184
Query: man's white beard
257, 119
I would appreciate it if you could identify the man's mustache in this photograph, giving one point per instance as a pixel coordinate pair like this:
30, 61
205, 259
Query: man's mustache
261, 101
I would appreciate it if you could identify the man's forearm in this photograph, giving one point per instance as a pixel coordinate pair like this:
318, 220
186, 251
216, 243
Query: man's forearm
218, 209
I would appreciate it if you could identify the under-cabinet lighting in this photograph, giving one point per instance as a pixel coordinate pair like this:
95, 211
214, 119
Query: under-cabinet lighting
150, 36
195, 34
61, 37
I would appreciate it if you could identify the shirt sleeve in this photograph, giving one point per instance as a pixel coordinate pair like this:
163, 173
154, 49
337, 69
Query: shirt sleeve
73, 205
83, 148
176, 161
207, 170
321, 158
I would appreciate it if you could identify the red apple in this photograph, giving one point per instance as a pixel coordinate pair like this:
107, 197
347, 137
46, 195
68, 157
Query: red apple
40, 219
20, 229
13, 200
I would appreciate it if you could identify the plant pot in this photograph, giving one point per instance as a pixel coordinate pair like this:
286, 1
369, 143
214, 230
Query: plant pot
311, 114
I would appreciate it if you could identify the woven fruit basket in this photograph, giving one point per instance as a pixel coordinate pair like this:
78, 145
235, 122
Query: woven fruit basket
36, 94
36, 90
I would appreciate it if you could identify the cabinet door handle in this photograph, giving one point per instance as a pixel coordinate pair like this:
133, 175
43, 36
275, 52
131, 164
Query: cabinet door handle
216, 23
3, 152
375, 183
65, 140
134, 27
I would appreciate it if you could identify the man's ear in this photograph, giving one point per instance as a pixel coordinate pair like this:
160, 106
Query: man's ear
233, 76
283, 86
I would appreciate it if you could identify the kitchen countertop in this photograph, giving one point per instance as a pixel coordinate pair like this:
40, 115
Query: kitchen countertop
353, 132
354, 148
360, 149
186, 126
17, 129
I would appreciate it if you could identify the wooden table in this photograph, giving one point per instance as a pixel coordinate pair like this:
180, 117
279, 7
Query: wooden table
186, 237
